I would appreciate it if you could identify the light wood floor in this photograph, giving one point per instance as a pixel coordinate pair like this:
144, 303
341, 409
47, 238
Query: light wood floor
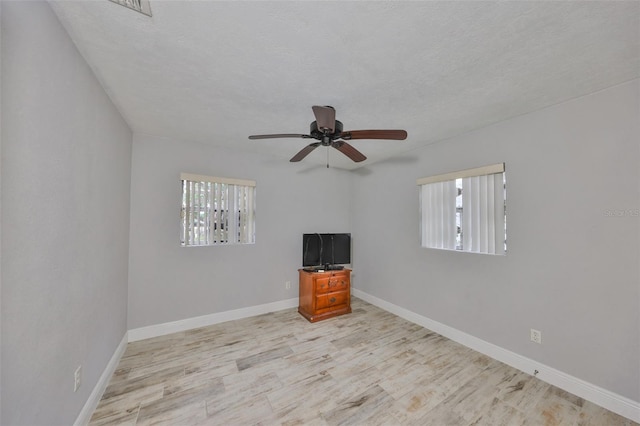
369, 367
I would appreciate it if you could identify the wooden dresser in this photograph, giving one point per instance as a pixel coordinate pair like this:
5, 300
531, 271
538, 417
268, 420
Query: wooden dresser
324, 294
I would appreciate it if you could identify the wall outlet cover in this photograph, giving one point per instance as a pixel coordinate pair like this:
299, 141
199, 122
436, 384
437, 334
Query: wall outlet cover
536, 336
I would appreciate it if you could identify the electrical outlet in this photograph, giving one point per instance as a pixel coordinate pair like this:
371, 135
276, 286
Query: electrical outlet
287, 285
77, 378
536, 336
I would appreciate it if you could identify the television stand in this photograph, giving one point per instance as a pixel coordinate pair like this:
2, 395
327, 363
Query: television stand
324, 294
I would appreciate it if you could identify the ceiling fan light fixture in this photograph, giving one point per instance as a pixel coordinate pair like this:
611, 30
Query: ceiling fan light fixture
142, 6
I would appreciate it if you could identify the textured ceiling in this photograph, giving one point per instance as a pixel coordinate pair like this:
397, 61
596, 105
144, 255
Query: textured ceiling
218, 71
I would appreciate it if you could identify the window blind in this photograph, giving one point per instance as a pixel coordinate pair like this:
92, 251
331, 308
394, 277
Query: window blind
483, 205
217, 211
464, 210
439, 207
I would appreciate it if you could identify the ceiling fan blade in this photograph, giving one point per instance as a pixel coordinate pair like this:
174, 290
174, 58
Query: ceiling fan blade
304, 152
280, 135
374, 134
349, 151
325, 117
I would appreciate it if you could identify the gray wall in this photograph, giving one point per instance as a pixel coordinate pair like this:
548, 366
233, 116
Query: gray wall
168, 282
66, 162
571, 271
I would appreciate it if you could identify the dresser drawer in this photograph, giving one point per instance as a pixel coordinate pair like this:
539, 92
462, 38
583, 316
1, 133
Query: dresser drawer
330, 300
340, 274
330, 284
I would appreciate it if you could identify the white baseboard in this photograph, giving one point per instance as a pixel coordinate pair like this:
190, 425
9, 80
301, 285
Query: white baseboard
602, 397
103, 381
205, 320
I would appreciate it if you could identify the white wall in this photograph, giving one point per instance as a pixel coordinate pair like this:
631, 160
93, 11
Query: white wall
168, 282
571, 271
66, 162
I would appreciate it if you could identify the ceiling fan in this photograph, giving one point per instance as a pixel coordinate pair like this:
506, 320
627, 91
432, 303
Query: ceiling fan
328, 131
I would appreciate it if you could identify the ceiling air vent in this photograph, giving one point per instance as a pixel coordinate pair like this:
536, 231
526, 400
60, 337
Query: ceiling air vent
142, 6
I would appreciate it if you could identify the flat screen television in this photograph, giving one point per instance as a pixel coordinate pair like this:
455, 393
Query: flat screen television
326, 250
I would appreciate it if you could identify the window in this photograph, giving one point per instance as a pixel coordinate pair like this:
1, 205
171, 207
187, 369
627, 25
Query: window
465, 210
217, 211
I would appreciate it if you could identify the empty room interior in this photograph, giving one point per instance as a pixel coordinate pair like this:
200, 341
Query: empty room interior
372, 212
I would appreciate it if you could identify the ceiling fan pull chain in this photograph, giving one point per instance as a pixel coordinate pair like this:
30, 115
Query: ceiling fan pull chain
327, 157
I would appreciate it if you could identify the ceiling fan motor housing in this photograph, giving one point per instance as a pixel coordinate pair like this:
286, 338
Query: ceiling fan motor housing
319, 135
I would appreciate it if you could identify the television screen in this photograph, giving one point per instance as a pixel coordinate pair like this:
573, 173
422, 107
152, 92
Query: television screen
326, 249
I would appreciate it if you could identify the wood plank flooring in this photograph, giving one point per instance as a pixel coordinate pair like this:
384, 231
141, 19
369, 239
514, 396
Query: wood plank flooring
369, 367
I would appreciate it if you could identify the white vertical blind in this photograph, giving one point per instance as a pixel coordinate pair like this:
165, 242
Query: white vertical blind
217, 211
482, 210
251, 213
208, 212
240, 208
233, 214
196, 212
439, 215
483, 203
184, 214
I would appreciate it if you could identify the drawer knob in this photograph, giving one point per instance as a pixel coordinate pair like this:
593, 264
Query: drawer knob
333, 299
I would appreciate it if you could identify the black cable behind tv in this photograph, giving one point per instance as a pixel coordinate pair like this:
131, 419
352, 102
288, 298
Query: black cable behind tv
326, 251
